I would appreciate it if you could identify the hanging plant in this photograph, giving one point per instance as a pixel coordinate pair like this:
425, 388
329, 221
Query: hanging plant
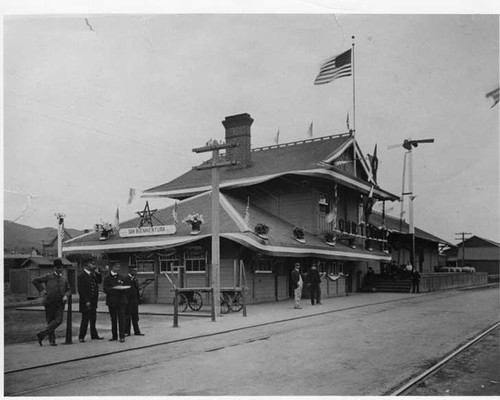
299, 233
331, 238
105, 229
194, 220
261, 230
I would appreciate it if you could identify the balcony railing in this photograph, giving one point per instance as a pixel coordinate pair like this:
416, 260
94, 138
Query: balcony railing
357, 235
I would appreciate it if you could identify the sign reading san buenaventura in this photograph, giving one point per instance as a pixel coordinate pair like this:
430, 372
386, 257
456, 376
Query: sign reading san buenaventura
148, 231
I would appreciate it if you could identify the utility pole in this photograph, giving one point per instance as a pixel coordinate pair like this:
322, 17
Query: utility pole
408, 145
60, 232
215, 165
462, 238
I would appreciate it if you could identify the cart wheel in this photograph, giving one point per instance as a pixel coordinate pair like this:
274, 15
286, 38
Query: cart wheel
196, 301
183, 302
224, 305
237, 302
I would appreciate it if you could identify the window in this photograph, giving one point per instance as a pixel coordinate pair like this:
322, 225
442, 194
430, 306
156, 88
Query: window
168, 260
323, 203
144, 262
195, 259
264, 265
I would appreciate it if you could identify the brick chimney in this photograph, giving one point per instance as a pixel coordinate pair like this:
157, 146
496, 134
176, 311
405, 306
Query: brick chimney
238, 131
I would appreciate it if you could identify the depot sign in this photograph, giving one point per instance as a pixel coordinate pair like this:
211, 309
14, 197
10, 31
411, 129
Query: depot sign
148, 231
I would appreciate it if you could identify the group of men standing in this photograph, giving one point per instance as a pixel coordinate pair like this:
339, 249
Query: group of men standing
313, 283
122, 299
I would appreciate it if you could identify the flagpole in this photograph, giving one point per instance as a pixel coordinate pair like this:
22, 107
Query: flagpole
353, 107
353, 91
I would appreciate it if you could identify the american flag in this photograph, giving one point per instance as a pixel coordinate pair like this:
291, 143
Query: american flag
247, 212
174, 214
494, 94
336, 67
310, 130
277, 138
131, 195
116, 222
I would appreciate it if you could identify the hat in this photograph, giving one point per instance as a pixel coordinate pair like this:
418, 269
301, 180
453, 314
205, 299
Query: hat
58, 263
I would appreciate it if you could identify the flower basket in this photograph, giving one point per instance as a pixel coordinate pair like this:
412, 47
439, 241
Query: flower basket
261, 230
299, 234
330, 239
194, 220
105, 230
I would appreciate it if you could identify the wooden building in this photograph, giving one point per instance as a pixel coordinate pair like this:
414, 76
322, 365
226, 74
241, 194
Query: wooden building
480, 253
427, 245
303, 201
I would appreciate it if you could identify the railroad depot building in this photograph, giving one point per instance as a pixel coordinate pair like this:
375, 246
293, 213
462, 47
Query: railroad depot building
306, 201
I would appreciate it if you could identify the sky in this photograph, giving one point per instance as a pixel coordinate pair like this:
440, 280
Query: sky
96, 104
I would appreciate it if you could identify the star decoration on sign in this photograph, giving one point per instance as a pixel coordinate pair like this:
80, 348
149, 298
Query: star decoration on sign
146, 215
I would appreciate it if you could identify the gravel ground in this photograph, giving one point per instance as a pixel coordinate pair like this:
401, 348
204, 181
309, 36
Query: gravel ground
474, 372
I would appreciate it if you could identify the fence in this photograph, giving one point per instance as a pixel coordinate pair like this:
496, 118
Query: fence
450, 280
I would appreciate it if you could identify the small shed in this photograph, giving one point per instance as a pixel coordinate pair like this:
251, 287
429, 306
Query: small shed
20, 279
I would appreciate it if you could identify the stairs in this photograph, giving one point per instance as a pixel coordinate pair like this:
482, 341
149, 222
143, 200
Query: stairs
388, 285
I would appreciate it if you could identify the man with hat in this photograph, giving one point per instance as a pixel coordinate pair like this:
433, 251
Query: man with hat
297, 285
116, 300
55, 290
132, 310
88, 290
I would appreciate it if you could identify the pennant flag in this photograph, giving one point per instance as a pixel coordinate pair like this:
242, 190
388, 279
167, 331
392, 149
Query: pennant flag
347, 122
334, 68
310, 130
247, 212
131, 195
60, 220
277, 138
374, 164
174, 214
494, 94
116, 222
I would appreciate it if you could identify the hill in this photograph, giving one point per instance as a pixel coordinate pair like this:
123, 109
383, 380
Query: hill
22, 238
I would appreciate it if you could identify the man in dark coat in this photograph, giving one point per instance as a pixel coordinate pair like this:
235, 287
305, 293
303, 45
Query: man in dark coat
314, 281
132, 310
55, 289
116, 300
415, 281
88, 290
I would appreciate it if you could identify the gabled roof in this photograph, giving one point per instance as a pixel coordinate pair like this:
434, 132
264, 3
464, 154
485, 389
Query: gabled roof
232, 227
396, 225
313, 157
477, 241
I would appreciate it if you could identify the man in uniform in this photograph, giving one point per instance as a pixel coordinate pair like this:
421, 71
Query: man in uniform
88, 290
55, 289
132, 311
116, 300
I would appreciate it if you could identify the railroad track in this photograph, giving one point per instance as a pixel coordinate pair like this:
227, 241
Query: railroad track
408, 386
